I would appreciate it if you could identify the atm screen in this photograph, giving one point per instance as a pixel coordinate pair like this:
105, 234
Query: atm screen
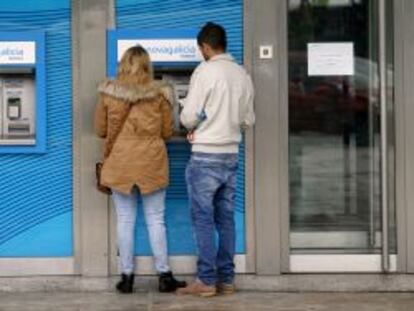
14, 106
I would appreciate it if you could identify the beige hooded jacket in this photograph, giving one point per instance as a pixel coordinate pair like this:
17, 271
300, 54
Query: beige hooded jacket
138, 156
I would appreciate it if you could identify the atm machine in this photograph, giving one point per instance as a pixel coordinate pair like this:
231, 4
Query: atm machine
174, 55
17, 113
22, 93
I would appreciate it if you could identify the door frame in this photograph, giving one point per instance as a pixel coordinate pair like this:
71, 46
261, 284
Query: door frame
331, 262
404, 94
272, 138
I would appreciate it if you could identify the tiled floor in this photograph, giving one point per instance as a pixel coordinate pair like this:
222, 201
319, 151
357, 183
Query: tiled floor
249, 301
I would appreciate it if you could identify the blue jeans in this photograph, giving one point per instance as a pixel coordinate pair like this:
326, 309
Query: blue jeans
211, 182
126, 212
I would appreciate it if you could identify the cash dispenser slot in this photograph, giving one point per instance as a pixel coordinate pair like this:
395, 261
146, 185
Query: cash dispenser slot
19, 129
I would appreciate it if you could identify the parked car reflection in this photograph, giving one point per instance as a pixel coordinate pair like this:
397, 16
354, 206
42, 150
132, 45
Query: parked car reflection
337, 105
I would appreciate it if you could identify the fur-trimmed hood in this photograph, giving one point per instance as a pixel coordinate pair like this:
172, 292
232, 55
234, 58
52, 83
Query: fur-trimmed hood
133, 94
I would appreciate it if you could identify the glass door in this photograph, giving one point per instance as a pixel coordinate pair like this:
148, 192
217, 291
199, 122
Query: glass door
342, 216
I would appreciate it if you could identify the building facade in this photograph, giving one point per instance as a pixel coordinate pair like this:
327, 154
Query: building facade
325, 176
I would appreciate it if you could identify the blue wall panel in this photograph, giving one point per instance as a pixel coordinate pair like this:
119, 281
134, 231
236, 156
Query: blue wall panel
184, 14
36, 190
179, 14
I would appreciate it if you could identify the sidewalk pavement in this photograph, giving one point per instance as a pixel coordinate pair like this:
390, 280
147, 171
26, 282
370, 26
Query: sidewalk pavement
248, 301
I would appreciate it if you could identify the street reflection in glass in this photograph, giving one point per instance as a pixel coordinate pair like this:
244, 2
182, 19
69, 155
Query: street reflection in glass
334, 130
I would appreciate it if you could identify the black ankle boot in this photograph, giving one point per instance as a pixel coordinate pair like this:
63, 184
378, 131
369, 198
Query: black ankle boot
126, 284
167, 283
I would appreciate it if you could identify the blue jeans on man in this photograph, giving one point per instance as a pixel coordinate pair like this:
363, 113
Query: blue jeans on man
211, 182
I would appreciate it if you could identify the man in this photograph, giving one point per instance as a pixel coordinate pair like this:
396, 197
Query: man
218, 106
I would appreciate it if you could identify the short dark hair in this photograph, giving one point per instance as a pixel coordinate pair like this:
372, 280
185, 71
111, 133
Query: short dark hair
214, 35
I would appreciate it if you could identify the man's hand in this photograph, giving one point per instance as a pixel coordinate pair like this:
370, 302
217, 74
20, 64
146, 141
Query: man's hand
190, 136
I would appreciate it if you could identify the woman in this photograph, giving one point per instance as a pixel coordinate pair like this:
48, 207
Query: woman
134, 115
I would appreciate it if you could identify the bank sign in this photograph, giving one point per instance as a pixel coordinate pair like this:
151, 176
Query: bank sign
17, 52
164, 50
166, 47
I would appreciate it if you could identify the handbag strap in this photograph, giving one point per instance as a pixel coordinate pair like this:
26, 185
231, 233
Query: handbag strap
120, 128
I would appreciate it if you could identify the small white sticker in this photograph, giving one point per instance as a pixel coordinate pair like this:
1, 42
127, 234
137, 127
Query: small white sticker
266, 52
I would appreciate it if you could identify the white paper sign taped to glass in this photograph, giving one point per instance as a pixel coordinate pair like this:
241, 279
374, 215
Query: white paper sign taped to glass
331, 59
164, 50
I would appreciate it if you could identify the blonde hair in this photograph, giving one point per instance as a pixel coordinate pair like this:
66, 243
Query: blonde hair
135, 66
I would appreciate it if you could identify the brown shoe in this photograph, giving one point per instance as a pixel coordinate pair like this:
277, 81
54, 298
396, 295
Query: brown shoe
225, 289
198, 289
